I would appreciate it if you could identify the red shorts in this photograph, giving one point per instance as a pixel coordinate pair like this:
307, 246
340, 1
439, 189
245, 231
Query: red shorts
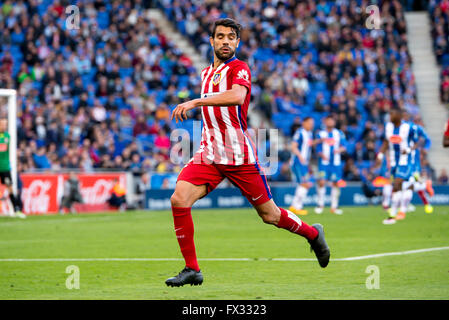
249, 178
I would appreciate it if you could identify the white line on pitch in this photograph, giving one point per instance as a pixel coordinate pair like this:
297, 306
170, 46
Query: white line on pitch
379, 255
392, 254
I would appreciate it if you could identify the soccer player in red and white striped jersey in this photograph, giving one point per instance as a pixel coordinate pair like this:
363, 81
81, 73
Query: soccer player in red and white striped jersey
227, 151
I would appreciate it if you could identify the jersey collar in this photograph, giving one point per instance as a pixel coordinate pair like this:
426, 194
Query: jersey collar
230, 60
224, 63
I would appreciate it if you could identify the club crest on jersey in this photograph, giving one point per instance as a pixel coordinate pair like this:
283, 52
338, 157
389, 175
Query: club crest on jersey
395, 139
216, 79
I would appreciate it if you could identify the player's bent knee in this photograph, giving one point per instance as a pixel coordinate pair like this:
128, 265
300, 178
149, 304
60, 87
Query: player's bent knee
269, 218
269, 213
397, 185
179, 200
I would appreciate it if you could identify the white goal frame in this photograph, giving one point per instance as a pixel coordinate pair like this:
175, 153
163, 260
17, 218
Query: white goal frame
11, 94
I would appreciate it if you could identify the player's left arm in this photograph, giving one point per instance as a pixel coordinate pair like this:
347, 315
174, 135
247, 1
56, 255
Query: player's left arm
413, 132
423, 139
427, 141
317, 141
235, 96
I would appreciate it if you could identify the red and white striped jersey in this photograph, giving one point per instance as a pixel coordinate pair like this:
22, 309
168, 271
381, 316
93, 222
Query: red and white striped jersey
224, 135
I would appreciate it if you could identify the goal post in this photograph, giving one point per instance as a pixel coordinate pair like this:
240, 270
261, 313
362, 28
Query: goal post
11, 95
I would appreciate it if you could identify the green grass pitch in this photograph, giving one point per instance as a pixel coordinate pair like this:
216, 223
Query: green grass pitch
233, 233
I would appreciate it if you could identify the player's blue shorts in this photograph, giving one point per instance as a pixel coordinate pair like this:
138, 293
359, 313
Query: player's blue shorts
330, 172
401, 172
301, 172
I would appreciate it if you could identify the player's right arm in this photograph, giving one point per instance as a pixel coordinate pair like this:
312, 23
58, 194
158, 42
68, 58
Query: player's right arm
295, 147
319, 148
235, 96
296, 152
381, 154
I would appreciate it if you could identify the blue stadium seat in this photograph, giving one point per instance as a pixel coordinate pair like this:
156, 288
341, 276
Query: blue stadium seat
103, 100
320, 86
103, 19
145, 141
445, 60
125, 72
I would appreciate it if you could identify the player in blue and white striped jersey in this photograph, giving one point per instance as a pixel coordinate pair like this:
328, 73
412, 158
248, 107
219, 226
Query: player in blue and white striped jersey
301, 147
398, 141
418, 183
330, 167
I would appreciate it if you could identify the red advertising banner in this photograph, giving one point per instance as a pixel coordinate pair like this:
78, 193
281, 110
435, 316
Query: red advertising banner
39, 193
42, 192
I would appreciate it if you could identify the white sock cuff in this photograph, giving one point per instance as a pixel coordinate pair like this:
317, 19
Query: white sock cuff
294, 217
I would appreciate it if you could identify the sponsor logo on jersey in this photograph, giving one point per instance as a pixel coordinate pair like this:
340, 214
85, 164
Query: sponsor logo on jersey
243, 74
3, 147
330, 141
395, 139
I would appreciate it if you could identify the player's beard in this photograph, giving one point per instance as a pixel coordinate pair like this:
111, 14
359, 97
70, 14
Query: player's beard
224, 56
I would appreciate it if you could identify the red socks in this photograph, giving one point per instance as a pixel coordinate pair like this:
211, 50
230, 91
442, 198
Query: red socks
184, 233
292, 223
423, 197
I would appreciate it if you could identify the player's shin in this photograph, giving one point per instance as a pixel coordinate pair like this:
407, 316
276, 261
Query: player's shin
386, 196
184, 233
13, 200
10, 208
291, 222
423, 197
395, 202
321, 192
298, 199
407, 196
335, 195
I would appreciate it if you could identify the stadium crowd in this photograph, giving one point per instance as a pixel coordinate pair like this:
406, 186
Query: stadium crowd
95, 97
100, 96
439, 16
314, 58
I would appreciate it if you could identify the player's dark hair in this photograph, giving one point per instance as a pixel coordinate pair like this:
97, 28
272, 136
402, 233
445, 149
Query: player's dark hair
396, 110
306, 119
227, 22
